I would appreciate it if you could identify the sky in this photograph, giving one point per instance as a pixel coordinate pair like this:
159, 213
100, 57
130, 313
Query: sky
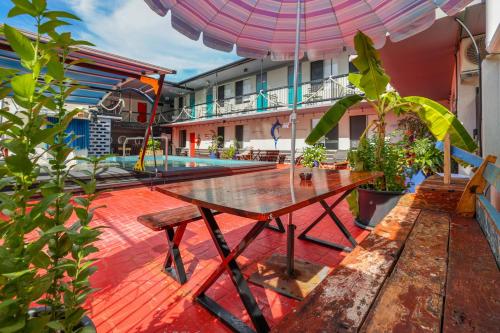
129, 28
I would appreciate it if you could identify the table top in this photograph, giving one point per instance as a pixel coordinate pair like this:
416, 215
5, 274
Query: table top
266, 194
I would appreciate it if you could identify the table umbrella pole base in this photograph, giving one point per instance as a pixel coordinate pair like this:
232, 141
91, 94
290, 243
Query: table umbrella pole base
273, 274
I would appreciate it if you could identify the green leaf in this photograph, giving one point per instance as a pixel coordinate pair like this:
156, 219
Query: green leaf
373, 80
51, 26
40, 5
56, 325
15, 275
19, 163
60, 14
440, 121
331, 118
24, 85
10, 327
11, 117
25, 5
19, 43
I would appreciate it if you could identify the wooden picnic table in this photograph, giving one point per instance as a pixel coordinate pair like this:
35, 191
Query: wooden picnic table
262, 196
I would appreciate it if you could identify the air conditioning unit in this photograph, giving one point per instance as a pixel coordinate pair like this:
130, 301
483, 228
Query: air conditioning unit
468, 56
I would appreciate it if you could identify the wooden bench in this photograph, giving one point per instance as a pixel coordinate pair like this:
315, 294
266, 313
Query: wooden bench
425, 268
174, 221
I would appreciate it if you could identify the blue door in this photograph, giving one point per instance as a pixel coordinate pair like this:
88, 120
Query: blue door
290, 85
262, 98
210, 104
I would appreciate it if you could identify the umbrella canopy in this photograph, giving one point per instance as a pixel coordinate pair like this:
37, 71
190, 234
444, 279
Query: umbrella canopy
262, 27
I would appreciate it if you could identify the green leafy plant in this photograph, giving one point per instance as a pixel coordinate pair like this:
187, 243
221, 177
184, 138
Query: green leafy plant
393, 162
153, 144
214, 144
45, 233
230, 152
313, 156
425, 157
373, 82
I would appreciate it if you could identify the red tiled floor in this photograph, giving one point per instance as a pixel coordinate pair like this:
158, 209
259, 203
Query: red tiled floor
135, 296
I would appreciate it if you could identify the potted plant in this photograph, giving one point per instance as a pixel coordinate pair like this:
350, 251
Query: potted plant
45, 232
213, 148
153, 146
312, 156
423, 160
230, 152
374, 83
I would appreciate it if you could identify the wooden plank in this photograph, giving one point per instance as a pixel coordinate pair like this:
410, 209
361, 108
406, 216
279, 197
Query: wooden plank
489, 220
467, 204
461, 154
411, 299
343, 299
473, 284
170, 217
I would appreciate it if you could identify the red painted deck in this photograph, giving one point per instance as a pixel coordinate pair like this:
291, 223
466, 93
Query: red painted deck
135, 296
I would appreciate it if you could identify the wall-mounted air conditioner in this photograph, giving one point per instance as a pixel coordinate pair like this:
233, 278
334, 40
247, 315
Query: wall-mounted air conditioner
468, 56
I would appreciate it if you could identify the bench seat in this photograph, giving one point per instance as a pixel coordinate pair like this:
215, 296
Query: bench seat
172, 217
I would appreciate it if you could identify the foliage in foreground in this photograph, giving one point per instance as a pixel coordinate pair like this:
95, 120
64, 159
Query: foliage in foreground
46, 236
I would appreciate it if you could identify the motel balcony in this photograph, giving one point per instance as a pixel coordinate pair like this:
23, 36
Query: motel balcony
310, 94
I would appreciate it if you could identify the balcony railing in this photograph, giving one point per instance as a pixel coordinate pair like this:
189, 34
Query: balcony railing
310, 94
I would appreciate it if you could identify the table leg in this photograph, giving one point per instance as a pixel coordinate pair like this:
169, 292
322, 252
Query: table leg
336, 220
229, 263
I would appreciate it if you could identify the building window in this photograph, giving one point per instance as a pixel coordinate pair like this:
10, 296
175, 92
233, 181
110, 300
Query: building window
332, 139
220, 95
317, 74
181, 102
142, 109
238, 134
238, 87
357, 126
220, 135
182, 138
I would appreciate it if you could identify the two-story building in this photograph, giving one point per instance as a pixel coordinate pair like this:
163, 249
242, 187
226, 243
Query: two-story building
249, 101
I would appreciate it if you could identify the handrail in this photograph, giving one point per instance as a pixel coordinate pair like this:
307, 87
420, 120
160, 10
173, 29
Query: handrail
462, 155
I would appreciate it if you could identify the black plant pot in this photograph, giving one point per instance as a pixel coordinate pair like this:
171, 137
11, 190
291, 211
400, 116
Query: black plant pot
39, 310
374, 206
305, 175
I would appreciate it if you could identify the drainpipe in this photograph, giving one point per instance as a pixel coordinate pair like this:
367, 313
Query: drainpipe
479, 110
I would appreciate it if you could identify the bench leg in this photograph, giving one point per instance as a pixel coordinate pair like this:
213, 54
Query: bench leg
279, 225
329, 211
174, 254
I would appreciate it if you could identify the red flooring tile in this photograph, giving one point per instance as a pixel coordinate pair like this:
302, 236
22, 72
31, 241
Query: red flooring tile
135, 296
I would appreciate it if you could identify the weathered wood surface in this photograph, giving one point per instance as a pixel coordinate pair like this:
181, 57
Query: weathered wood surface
489, 220
412, 297
467, 204
343, 299
473, 284
433, 194
268, 194
170, 217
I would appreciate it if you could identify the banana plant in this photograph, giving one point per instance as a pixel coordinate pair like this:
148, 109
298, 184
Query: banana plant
373, 81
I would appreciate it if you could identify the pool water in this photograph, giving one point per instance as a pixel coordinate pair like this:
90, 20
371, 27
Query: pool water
174, 163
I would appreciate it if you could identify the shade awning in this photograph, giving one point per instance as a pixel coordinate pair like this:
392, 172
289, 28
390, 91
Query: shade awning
105, 74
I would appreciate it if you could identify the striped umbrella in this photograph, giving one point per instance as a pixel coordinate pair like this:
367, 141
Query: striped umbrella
290, 29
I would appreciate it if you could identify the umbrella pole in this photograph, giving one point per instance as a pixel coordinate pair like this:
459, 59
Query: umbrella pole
293, 119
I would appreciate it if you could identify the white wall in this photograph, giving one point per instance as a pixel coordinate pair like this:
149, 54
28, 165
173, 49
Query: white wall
257, 132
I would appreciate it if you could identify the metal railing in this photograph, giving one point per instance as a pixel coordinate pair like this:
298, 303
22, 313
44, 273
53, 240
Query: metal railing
312, 93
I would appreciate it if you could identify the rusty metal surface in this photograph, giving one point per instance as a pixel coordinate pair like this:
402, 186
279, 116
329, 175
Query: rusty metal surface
271, 274
412, 297
343, 299
473, 284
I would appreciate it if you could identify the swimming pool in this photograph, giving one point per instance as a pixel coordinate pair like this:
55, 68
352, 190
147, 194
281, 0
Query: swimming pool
177, 163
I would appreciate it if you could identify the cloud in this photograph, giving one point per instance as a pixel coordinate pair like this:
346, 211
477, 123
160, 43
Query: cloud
129, 28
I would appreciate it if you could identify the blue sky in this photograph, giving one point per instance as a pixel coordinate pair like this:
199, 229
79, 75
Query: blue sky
129, 28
